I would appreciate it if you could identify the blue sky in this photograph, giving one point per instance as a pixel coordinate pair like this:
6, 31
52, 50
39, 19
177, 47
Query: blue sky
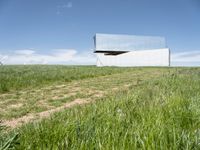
48, 29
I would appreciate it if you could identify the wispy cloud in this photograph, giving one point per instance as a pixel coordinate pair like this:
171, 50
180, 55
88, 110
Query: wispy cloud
189, 58
61, 8
57, 56
25, 52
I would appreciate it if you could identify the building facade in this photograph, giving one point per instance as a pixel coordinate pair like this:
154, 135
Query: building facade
130, 50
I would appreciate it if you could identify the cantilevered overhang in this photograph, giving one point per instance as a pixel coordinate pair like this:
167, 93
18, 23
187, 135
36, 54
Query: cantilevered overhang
111, 52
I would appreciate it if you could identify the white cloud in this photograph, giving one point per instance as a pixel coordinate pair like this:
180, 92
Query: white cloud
63, 53
57, 56
189, 58
60, 8
66, 5
25, 52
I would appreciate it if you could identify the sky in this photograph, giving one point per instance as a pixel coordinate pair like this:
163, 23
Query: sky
61, 31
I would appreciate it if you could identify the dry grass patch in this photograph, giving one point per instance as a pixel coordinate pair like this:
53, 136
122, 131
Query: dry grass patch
49, 99
13, 123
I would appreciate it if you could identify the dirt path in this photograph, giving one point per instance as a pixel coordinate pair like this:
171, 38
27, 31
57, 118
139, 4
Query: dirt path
30, 117
21, 107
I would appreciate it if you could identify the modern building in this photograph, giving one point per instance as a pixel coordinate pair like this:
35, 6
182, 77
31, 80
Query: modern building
131, 50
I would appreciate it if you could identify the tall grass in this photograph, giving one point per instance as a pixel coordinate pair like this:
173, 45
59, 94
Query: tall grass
7, 142
23, 77
159, 114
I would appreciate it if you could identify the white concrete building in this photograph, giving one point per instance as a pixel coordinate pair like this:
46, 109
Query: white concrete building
128, 50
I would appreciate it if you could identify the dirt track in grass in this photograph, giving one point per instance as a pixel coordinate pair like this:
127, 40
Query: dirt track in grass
21, 107
30, 117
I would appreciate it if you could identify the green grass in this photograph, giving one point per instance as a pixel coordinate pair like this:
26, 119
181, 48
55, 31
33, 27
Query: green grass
15, 104
156, 113
23, 77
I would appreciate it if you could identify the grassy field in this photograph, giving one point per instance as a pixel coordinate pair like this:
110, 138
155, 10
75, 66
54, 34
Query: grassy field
20, 77
122, 108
